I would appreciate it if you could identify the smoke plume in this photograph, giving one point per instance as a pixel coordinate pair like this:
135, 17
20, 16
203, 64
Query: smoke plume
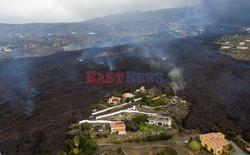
176, 75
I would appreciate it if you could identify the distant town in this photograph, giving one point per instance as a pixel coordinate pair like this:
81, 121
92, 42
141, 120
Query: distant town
42, 43
236, 46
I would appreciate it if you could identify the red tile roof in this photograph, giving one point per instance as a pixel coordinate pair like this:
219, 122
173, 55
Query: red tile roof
214, 140
117, 126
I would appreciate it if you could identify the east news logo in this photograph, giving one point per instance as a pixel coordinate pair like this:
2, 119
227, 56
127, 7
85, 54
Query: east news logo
127, 77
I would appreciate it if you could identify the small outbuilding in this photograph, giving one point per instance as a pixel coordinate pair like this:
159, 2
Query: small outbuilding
128, 95
114, 100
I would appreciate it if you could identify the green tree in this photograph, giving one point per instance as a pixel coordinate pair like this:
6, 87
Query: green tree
134, 124
76, 140
167, 151
174, 125
140, 94
228, 153
88, 145
68, 142
157, 102
168, 91
61, 153
75, 150
194, 146
140, 119
86, 126
80, 145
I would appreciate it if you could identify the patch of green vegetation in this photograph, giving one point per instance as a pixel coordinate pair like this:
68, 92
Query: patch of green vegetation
140, 94
79, 145
88, 146
161, 136
194, 146
76, 140
134, 124
153, 103
150, 128
228, 153
61, 153
86, 126
167, 151
151, 138
168, 91
138, 123
75, 151
174, 125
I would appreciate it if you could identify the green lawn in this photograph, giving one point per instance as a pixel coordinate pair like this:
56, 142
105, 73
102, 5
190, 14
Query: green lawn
149, 128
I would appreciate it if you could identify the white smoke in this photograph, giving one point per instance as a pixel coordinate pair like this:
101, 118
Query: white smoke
176, 75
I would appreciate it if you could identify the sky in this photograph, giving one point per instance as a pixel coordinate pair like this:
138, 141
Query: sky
52, 11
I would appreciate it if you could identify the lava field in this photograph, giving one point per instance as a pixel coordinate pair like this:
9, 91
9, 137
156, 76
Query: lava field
40, 97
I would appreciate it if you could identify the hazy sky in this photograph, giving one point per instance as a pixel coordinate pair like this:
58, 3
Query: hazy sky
22, 11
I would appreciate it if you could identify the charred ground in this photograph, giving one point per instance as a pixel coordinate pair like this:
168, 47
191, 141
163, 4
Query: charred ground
35, 112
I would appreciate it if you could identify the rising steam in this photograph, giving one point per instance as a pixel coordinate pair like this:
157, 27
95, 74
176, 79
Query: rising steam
176, 75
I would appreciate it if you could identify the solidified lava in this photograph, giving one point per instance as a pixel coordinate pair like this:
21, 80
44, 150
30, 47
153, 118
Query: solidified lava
216, 85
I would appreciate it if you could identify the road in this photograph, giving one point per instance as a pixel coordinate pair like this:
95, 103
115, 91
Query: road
119, 108
237, 149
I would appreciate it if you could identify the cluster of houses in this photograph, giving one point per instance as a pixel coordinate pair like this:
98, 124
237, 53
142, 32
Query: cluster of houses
5, 49
114, 100
119, 127
240, 46
213, 142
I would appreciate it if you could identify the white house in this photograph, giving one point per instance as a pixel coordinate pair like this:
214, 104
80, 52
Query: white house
114, 100
128, 95
225, 47
141, 89
242, 48
242, 44
160, 120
